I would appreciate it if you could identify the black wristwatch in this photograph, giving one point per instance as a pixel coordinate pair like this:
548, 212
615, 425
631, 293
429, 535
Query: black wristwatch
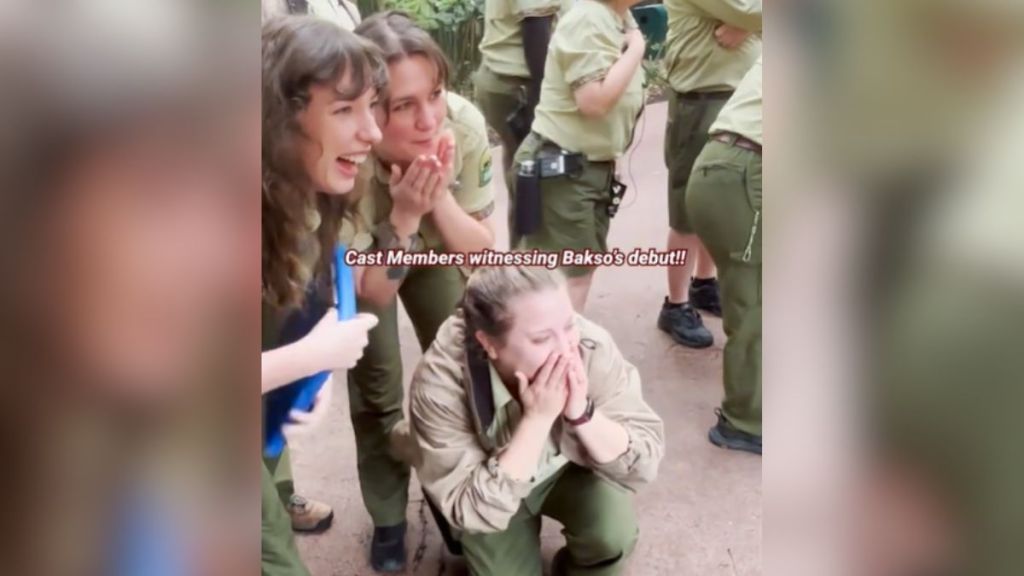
588, 413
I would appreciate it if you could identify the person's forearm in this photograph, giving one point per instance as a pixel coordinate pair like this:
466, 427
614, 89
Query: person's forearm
604, 438
376, 285
283, 365
536, 37
460, 231
522, 455
608, 91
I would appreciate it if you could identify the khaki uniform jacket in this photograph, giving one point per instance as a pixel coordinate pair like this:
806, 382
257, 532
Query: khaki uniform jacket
501, 49
342, 12
452, 408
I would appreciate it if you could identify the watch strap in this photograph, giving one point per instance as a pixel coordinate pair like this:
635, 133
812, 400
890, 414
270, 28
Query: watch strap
588, 413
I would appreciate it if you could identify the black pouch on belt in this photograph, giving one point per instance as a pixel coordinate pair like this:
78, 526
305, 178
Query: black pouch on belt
528, 207
520, 120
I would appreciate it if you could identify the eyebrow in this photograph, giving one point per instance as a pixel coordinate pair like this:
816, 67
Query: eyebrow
568, 324
399, 100
402, 100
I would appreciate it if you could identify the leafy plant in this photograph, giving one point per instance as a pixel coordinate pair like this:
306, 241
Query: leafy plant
456, 25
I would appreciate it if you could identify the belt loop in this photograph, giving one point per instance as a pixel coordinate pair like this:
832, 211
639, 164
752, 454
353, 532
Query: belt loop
748, 251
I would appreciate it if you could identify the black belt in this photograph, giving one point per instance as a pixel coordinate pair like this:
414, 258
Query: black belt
733, 139
703, 96
577, 159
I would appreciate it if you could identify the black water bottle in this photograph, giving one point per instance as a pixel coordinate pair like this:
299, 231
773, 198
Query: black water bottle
528, 207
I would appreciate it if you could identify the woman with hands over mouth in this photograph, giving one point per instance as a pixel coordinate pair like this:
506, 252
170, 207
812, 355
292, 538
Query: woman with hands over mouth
522, 408
426, 185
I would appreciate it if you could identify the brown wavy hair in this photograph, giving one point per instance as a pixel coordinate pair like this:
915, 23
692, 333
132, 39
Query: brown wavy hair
398, 37
300, 52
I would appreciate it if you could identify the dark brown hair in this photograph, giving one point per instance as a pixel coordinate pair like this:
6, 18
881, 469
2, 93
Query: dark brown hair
398, 37
300, 52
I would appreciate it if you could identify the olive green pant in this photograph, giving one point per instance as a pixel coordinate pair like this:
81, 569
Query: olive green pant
278, 554
724, 201
686, 133
498, 97
375, 393
280, 469
599, 527
574, 208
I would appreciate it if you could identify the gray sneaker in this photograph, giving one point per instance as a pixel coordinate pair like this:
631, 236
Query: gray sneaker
684, 325
724, 435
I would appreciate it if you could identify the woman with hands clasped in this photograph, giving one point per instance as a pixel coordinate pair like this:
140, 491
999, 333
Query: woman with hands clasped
426, 186
522, 408
319, 91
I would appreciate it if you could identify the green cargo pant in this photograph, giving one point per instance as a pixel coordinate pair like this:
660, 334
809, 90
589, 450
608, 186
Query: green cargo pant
280, 469
497, 97
278, 554
375, 393
574, 208
599, 527
686, 132
724, 201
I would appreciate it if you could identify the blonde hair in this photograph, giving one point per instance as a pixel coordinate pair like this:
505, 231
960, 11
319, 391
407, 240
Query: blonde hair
490, 289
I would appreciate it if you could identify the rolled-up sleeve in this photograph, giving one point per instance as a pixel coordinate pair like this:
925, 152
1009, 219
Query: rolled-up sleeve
473, 493
616, 391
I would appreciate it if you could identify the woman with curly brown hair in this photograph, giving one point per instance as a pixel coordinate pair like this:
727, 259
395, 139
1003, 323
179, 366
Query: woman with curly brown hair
319, 92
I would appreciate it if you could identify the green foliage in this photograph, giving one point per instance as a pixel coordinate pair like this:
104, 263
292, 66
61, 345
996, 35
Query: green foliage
655, 79
456, 25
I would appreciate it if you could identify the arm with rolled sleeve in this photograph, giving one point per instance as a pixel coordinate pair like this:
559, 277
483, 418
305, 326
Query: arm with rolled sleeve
615, 390
469, 487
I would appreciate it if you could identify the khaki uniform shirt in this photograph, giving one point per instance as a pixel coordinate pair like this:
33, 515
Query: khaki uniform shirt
694, 62
587, 41
471, 188
342, 12
742, 113
458, 452
501, 48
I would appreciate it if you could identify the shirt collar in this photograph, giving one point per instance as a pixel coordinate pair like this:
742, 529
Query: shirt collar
499, 392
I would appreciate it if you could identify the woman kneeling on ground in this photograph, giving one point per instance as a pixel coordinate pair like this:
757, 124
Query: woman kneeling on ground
523, 408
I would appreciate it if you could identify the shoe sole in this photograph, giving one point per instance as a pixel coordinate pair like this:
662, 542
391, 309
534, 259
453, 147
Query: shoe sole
682, 342
715, 313
320, 527
717, 439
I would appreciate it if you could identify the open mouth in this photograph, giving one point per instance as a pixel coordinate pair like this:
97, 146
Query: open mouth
350, 162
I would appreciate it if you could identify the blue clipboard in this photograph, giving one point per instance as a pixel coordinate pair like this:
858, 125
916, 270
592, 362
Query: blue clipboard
301, 394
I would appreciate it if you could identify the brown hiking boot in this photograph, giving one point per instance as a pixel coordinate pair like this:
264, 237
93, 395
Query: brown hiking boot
309, 515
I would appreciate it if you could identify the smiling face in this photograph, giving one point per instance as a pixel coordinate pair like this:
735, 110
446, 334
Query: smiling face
543, 322
339, 134
413, 122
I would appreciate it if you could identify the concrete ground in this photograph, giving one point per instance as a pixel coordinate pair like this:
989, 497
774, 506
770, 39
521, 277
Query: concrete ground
703, 514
